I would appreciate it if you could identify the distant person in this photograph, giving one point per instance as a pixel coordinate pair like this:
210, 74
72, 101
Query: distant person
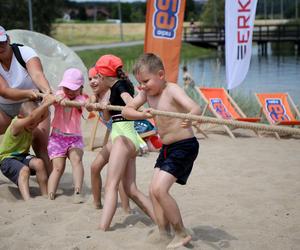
189, 85
15, 161
66, 137
180, 147
18, 83
192, 26
188, 81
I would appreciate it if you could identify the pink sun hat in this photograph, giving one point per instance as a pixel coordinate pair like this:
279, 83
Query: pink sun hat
3, 35
72, 79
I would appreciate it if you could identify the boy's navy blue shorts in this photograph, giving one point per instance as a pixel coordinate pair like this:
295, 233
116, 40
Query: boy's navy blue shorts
11, 167
178, 158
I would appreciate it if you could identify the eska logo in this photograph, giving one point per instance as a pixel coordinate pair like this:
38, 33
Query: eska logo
165, 21
220, 108
276, 110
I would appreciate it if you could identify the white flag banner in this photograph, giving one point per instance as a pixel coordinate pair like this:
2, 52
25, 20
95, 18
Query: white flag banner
239, 22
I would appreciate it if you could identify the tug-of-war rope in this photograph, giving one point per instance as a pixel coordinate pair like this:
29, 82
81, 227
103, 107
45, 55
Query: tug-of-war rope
201, 119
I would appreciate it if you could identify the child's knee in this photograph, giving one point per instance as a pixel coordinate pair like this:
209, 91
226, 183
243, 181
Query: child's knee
76, 161
157, 192
58, 170
39, 165
131, 191
24, 173
95, 169
112, 186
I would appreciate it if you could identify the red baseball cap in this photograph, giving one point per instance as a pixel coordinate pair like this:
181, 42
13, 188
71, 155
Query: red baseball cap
107, 65
92, 72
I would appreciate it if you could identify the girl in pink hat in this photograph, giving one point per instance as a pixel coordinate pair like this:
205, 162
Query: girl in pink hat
125, 143
66, 138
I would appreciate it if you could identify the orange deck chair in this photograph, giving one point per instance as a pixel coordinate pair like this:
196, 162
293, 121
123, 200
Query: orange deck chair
221, 104
279, 109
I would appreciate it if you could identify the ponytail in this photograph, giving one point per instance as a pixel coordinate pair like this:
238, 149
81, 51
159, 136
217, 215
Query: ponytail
121, 75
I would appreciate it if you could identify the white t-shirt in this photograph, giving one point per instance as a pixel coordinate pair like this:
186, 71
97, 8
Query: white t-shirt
17, 77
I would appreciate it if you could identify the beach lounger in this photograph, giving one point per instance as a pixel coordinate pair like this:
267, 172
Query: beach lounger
278, 109
221, 104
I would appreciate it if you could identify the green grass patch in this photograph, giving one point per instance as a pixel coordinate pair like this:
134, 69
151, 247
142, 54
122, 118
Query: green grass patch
130, 54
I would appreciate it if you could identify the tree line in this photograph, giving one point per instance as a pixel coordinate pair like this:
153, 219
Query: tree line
14, 14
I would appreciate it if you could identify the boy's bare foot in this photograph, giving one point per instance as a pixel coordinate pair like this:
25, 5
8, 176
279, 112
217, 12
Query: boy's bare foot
180, 239
156, 236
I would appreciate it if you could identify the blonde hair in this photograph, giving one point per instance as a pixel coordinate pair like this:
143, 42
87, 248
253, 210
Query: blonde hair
148, 61
27, 108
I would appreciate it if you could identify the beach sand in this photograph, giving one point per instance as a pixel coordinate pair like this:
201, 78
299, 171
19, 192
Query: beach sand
242, 194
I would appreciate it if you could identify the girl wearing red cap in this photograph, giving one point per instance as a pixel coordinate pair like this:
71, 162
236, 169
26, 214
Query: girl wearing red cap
101, 94
124, 141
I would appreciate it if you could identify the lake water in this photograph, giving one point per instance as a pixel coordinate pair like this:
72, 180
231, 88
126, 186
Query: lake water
266, 74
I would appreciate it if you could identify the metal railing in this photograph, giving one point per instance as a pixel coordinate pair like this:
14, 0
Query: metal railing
261, 33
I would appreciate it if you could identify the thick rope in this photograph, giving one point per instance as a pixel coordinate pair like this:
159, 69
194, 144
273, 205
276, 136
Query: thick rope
233, 123
202, 119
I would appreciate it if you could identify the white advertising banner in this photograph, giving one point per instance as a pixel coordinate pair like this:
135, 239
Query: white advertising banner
239, 22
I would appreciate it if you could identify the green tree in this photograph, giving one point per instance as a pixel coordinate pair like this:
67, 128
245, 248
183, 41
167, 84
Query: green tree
138, 12
190, 10
213, 13
82, 13
126, 12
14, 14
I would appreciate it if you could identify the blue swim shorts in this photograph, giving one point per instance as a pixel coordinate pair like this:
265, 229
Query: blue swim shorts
178, 158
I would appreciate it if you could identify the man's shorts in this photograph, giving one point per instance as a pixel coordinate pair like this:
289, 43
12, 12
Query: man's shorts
59, 144
11, 167
178, 158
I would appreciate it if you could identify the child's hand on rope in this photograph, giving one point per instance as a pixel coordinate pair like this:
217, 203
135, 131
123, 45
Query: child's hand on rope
59, 98
90, 106
32, 94
186, 123
63, 101
49, 99
148, 113
101, 106
195, 123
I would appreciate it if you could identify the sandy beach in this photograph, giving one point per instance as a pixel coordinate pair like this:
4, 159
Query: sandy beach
242, 194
